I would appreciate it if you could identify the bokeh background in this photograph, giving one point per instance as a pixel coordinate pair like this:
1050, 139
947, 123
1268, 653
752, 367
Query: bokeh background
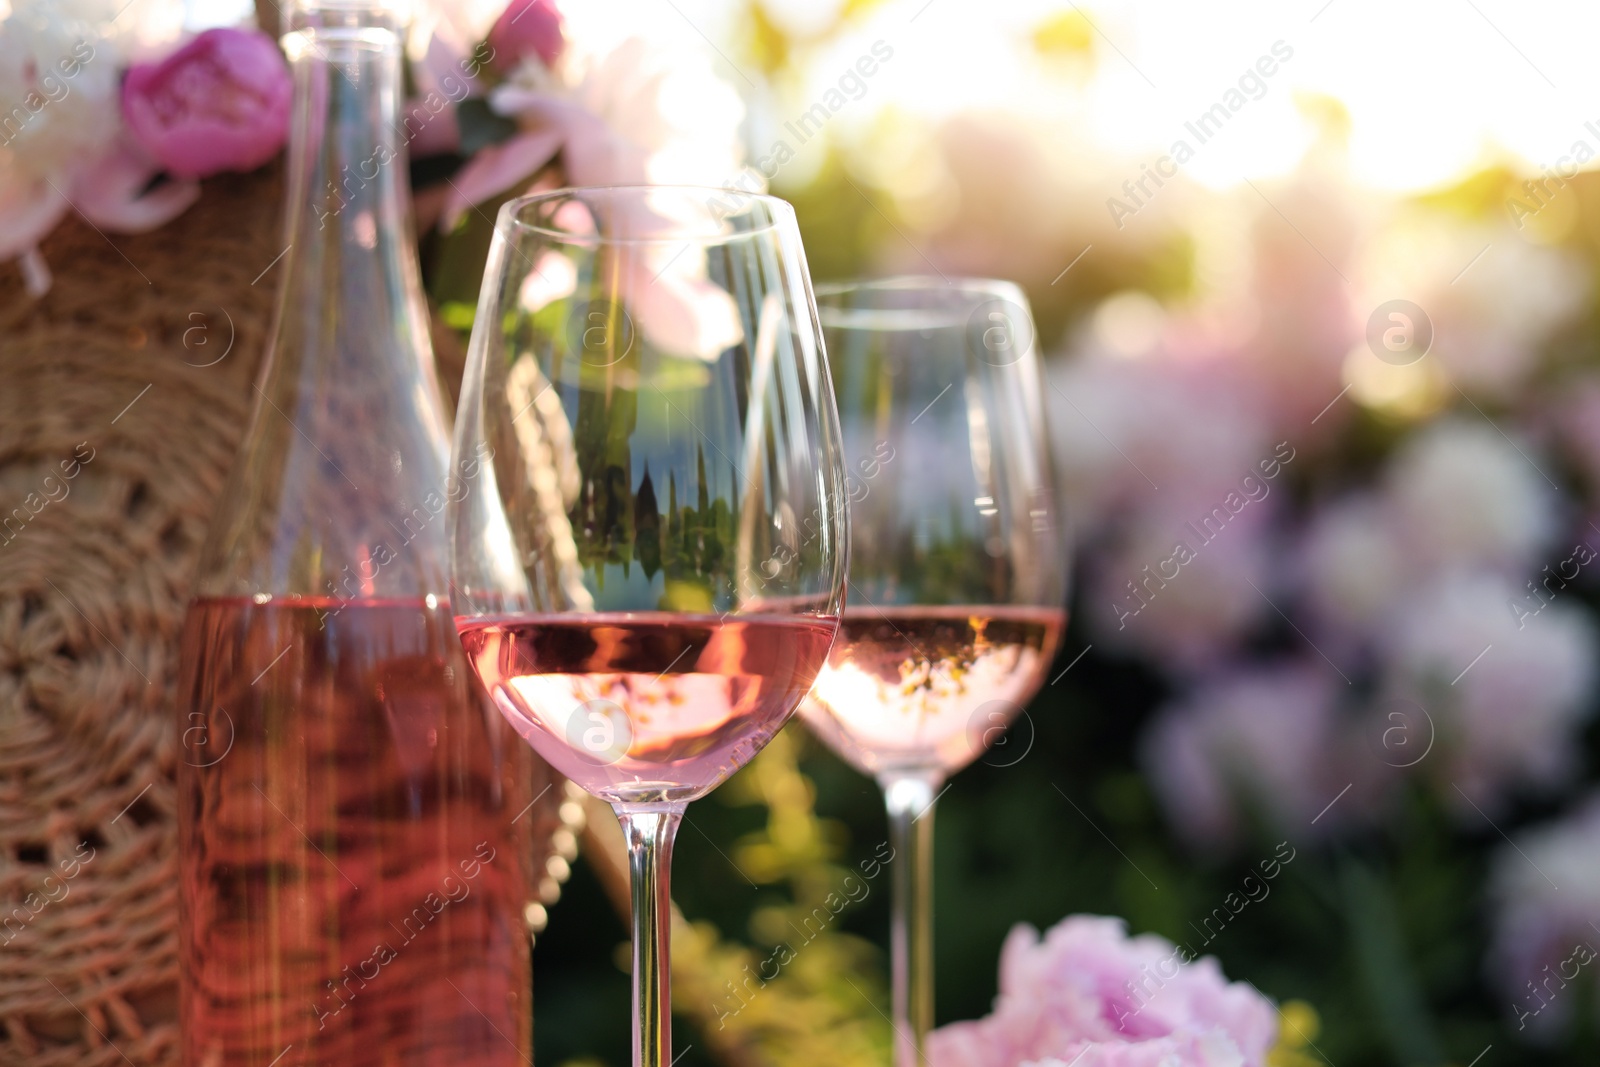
1315, 281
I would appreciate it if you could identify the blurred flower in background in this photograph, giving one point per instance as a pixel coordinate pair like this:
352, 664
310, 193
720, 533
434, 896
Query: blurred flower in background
1493, 297
1260, 745
1546, 891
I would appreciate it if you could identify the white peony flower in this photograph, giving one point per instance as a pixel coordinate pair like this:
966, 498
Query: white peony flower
670, 104
632, 114
1354, 563
60, 140
635, 114
59, 77
1463, 495
1493, 297
1507, 696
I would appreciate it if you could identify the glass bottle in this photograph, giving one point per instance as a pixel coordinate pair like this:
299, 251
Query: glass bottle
351, 892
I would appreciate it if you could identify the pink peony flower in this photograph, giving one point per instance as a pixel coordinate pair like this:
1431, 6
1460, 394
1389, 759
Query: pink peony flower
527, 28
1304, 323
1546, 891
221, 102
1125, 432
1261, 743
1508, 695
1087, 994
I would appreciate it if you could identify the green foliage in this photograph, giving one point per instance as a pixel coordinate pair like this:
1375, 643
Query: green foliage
481, 126
800, 991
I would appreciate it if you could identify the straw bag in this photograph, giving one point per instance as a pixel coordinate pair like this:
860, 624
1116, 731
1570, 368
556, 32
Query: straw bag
123, 394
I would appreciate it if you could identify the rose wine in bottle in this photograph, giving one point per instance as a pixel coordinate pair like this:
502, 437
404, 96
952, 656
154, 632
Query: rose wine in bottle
352, 893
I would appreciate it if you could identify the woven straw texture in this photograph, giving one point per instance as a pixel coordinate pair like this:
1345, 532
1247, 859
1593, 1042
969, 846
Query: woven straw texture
123, 393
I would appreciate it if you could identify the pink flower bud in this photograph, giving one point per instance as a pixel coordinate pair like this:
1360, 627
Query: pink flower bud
526, 27
221, 102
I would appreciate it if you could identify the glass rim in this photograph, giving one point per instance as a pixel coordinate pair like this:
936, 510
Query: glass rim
382, 16
922, 282
836, 311
511, 211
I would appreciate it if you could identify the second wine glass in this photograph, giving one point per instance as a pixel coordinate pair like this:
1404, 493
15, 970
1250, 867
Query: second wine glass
957, 571
648, 541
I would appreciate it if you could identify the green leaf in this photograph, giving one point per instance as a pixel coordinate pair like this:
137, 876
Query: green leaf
458, 314
1398, 1002
481, 127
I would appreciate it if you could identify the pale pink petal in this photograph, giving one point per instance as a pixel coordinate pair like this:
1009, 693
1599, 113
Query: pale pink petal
110, 193
553, 278
512, 100
679, 314
431, 128
498, 168
29, 209
592, 152
574, 216
449, 67
36, 277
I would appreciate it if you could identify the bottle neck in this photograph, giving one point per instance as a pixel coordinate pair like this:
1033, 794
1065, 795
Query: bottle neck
339, 484
351, 261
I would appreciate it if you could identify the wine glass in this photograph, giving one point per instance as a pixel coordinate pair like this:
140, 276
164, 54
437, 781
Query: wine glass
648, 535
957, 570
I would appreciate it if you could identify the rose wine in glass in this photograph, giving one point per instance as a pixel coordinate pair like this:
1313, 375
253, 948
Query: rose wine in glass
957, 569
650, 579
929, 687
351, 892
682, 700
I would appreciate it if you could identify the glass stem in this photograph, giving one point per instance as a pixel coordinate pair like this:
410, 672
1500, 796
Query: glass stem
649, 829
910, 797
